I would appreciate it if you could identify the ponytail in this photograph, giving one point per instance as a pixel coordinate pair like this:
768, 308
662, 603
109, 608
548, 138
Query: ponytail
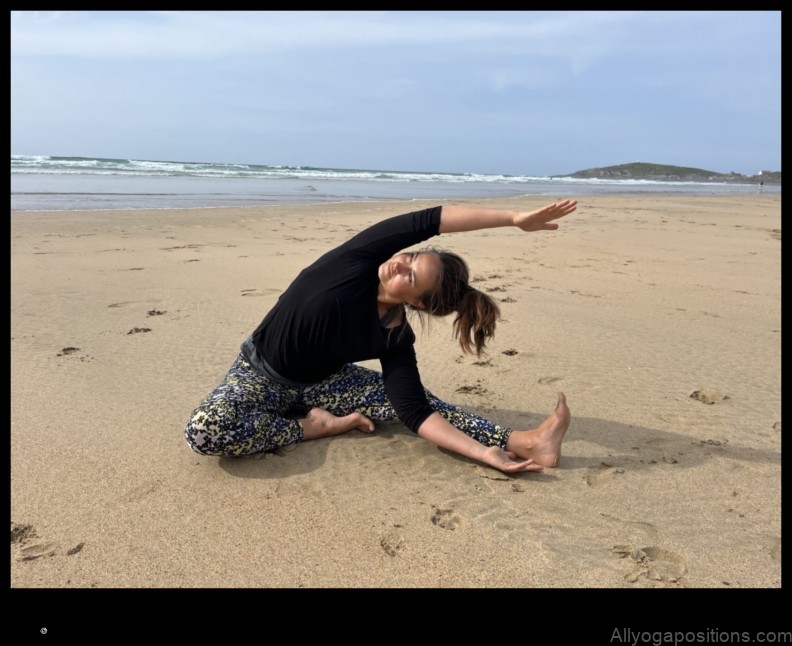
476, 312
474, 325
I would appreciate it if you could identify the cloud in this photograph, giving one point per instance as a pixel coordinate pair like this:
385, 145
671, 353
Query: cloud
212, 34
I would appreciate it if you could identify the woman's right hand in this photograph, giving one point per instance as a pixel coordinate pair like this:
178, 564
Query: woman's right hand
438, 430
508, 462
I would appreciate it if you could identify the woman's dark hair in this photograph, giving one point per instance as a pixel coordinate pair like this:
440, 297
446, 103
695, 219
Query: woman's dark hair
476, 312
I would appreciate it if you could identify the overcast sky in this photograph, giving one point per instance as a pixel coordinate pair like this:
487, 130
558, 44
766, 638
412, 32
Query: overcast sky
521, 93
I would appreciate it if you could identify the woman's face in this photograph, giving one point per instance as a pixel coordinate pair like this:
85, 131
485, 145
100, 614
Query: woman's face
406, 277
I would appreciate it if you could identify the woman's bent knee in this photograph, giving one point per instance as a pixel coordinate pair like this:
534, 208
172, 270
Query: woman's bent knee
200, 434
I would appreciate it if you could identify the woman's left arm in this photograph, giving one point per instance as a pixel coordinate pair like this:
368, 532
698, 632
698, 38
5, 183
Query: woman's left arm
440, 431
454, 219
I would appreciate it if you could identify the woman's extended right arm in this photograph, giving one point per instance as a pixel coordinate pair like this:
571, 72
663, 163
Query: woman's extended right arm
440, 431
472, 218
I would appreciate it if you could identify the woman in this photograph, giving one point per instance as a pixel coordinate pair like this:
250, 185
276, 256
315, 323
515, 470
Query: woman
296, 379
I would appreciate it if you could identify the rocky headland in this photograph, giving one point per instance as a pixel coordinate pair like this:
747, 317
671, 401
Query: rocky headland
662, 172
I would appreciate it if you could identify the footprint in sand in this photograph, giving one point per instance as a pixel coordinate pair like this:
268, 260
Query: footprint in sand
38, 550
136, 330
22, 535
712, 447
67, 350
392, 543
473, 390
708, 396
602, 474
651, 562
549, 380
446, 518
509, 353
711, 442
488, 504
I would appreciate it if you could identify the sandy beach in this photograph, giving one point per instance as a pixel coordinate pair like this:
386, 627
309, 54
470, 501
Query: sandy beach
658, 316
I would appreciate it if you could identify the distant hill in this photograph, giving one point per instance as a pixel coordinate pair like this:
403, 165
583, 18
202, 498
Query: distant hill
664, 173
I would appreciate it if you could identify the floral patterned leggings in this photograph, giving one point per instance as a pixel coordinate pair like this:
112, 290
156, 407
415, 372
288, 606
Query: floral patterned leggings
251, 413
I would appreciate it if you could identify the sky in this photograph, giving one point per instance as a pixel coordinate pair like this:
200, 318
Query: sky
533, 93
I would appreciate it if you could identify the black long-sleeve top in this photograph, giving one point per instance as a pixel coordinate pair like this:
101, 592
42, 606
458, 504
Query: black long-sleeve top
328, 316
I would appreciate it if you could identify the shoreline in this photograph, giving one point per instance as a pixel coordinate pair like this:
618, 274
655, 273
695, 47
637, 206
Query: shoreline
64, 192
408, 203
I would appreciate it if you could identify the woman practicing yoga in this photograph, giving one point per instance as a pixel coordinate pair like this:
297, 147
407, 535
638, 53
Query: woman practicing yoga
296, 379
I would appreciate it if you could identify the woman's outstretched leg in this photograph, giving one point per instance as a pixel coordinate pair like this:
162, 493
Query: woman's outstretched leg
355, 389
358, 389
543, 443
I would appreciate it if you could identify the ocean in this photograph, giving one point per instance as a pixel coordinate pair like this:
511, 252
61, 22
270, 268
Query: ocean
50, 183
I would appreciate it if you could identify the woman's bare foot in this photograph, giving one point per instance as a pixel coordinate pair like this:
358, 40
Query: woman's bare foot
321, 423
543, 443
